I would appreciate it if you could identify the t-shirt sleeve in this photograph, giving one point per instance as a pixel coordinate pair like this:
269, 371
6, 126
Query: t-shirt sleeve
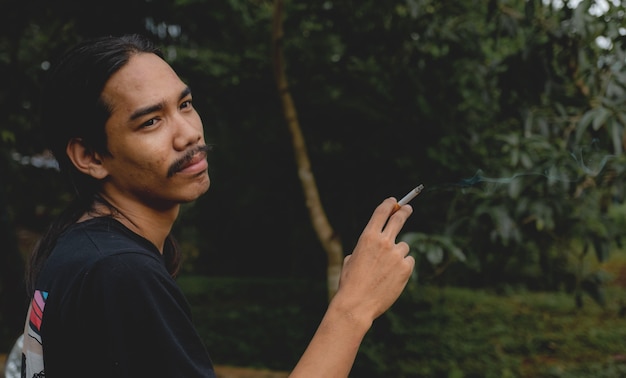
144, 319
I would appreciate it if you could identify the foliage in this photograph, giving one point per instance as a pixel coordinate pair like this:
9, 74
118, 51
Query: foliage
429, 332
459, 332
437, 250
255, 322
551, 142
527, 93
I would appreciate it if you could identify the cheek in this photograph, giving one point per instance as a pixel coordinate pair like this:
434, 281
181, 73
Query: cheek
143, 160
154, 162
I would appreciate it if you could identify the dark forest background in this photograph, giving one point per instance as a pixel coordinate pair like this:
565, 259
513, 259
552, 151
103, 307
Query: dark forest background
510, 112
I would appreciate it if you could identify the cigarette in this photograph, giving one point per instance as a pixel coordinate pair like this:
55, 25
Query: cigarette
409, 196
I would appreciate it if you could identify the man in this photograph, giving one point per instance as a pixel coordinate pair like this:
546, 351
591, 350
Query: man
123, 127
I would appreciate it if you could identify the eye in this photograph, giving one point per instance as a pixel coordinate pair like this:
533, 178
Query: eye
186, 104
150, 122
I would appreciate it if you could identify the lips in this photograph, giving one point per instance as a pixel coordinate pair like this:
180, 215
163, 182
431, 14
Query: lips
196, 164
193, 162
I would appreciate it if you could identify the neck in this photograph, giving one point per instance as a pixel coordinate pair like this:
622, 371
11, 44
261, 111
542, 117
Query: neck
153, 223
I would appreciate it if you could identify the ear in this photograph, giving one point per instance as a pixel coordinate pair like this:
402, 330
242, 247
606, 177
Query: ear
85, 159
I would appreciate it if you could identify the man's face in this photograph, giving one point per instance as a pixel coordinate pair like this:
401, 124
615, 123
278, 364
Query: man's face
154, 136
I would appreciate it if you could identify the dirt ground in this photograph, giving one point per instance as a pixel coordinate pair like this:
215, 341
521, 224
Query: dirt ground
221, 371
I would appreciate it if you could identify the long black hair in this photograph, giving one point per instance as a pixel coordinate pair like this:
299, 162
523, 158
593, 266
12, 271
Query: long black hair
72, 107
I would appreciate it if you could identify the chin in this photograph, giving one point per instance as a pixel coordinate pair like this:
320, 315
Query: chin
198, 191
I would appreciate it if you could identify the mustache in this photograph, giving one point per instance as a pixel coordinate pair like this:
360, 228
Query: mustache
180, 163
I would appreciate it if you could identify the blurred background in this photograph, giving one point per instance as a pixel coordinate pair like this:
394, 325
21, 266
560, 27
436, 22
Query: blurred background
510, 112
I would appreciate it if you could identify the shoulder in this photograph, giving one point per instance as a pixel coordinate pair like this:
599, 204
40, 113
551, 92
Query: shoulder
102, 252
128, 277
86, 243
106, 235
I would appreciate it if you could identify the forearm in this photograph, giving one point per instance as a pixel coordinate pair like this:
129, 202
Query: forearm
334, 346
372, 278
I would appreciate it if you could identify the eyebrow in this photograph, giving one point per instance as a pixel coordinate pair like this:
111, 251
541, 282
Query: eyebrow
153, 108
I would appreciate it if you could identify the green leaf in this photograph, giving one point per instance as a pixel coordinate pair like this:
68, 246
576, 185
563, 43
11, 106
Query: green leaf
7, 136
600, 116
434, 254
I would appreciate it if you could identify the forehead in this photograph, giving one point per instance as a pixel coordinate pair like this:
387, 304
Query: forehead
146, 79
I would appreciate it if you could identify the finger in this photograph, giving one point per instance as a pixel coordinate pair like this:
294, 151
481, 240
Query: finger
381, 215
403, 248
410, 260
397, 221
407, 267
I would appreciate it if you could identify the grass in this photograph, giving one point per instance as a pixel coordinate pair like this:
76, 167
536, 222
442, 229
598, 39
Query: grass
263, 323
429, 332
469, 333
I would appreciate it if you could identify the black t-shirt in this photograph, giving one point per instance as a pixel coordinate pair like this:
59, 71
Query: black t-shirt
110, 309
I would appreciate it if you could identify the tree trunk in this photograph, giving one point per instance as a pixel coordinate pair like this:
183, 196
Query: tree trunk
325, 233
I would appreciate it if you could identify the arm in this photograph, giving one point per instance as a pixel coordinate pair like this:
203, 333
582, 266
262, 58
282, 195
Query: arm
371, 280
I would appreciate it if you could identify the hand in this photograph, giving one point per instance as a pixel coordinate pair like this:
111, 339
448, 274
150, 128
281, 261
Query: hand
372, 278
377, 271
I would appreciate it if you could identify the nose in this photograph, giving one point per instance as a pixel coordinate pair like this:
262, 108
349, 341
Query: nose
188, 131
